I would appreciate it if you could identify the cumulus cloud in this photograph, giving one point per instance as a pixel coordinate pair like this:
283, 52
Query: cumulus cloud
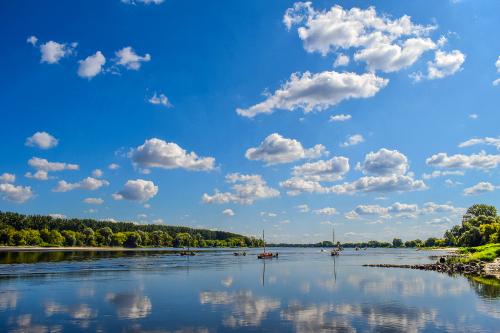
32, 40
43, 167
7, 178
445, 64
303, 208
97, 173
127, 58
52, 52
88, 183
496, 82
340, 117
495, 142
91, 66
440, 173
137, 190
401, 210
246, 189
18, 194
156, 153
381, 42
276, 149
160, 99
480, 188
384, 162
353, 140
341, 60
228, 212
389, 57
325, 211
42, 140
323, 171
481, 161
113, 166
93, 201
316, 92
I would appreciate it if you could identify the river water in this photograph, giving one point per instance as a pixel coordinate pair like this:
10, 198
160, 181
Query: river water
304, 290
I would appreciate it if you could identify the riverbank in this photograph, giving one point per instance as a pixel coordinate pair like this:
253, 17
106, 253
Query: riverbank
90, 249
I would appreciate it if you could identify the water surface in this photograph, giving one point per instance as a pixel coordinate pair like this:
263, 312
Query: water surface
302, 291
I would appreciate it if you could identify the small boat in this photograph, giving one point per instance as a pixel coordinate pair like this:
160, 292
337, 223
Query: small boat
335, 251
187, 253
357, 248
237, 254
264, 254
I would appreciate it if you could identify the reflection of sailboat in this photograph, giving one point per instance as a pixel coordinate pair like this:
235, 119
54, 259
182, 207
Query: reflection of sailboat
335, 252
264, 254
264, 274
334, 270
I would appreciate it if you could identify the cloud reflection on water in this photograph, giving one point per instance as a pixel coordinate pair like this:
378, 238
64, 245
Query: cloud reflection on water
130, 306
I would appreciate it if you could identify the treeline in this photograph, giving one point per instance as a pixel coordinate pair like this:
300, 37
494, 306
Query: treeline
40, 230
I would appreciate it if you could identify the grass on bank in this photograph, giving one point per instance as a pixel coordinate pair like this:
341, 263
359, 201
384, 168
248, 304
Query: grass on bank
487, 253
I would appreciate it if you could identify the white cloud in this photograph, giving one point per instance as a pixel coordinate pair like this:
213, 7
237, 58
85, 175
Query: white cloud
324, 170
496, 82
228, 212
497, 64
52, 51
390, 57
480, 161
479, 188
18, 194
7, 178
97, 173
58, 216
137, 190
473, 116
276, 149
129, 59
341, 117
326, 31
445, 64
353, 140
39, 175
316, 92
32, 40
303, 208
91, 66
440, 173
246, 189
371, 210
495, 142
401, 210
146, 2
431, 207
88, 183
93, 201
42, 140
341, 60
160, 99
384, 162
325, 211
113, 166
156, 153
43, 164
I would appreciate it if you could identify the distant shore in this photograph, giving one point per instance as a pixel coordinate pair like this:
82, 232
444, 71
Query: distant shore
86, 248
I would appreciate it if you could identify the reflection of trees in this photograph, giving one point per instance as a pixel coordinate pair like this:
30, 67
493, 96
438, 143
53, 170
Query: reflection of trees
130, 306
246, 309
485, 287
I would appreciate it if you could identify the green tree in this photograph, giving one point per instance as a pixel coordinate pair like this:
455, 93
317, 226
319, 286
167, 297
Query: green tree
104, 236
397, 242
481, 210
133, 240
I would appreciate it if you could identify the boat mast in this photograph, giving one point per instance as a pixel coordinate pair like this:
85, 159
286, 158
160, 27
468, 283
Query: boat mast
264, 240
333, 237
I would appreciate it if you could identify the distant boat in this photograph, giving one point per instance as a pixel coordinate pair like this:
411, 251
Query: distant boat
264, 254
335, 251
240, 253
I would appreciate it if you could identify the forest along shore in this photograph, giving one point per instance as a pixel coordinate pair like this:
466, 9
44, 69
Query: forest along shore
89, 249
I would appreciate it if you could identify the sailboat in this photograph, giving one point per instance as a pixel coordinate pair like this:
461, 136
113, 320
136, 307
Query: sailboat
264, 254
334, 252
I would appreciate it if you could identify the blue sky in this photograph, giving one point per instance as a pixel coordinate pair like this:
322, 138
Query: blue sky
380, 119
